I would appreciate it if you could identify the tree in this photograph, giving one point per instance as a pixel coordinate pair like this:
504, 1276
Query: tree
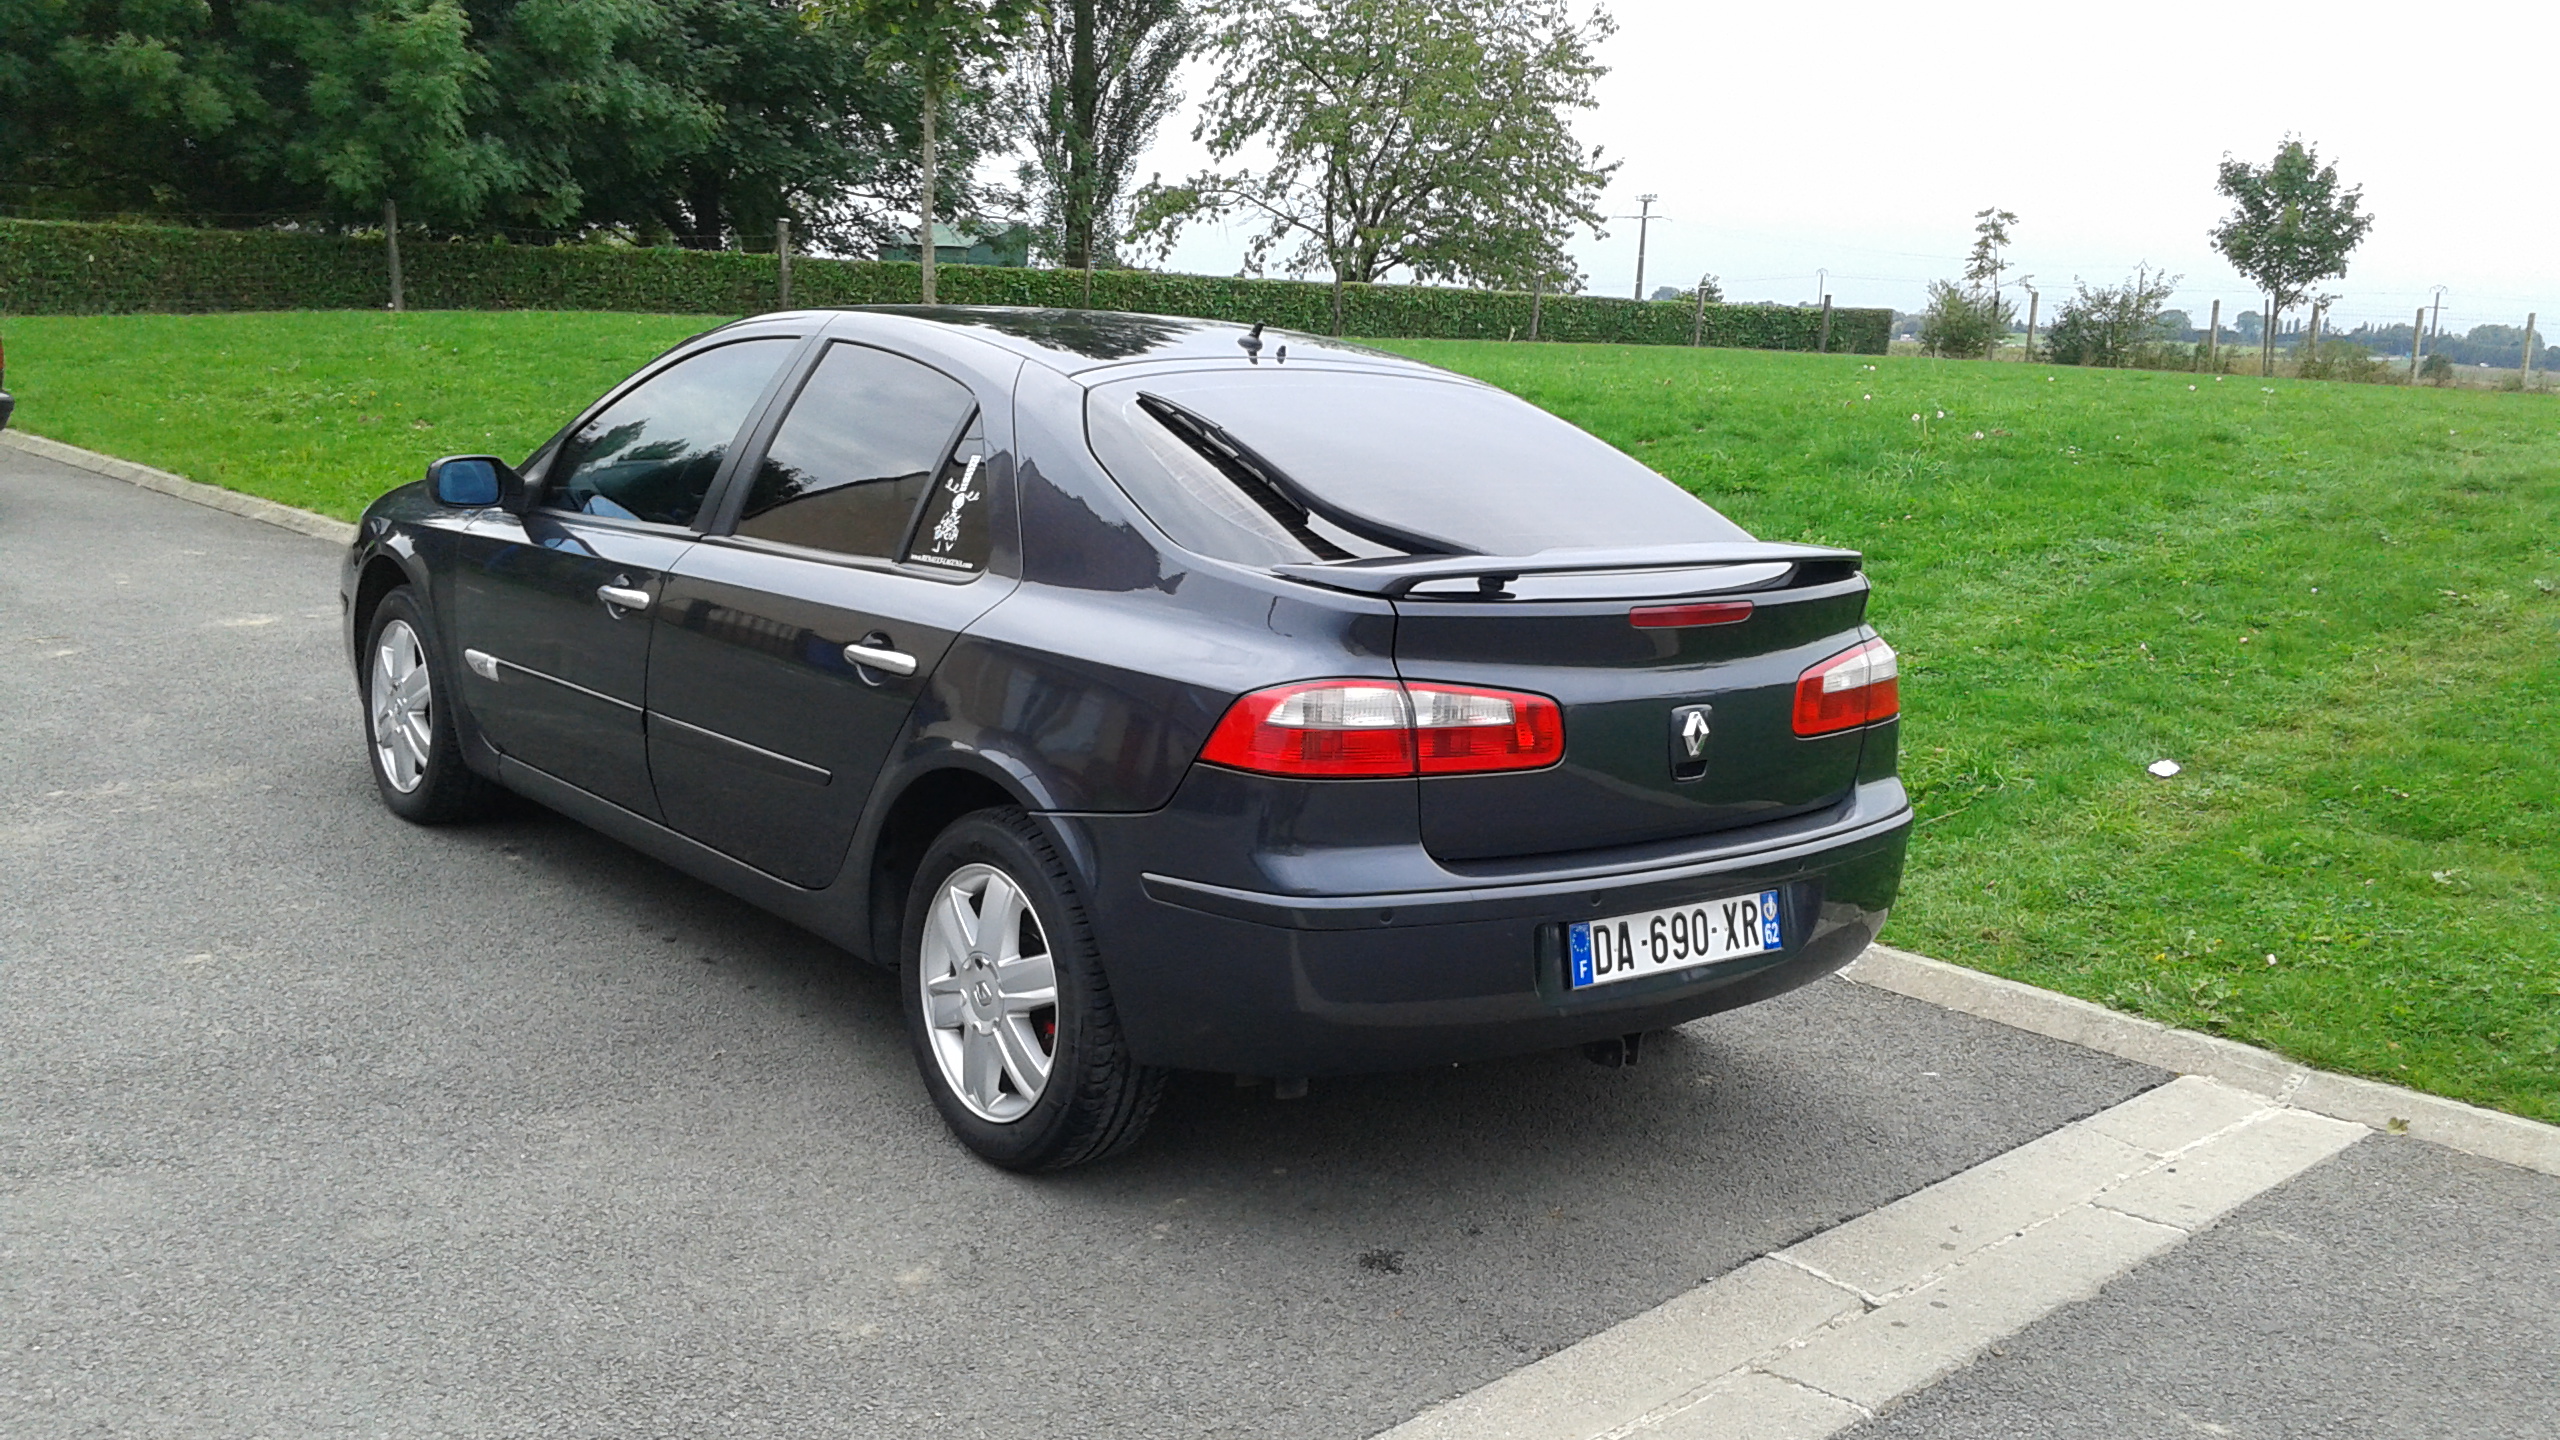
2291, 226
1405, 133
941, 46
1099, 82
2107, 324
697, 120
1990, 238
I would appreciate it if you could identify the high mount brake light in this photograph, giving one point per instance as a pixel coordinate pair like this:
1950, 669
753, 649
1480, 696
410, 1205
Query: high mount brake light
1680, 617
1379, 728
1858, 686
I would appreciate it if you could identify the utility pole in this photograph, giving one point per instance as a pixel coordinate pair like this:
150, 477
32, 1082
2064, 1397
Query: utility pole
391, 246
2032, 298
2435, 322
2213, 341
2417, 342
1823, 345
782, 263
1644, 218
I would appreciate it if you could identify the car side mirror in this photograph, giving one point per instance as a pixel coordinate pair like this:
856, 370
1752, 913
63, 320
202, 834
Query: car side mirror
475, 482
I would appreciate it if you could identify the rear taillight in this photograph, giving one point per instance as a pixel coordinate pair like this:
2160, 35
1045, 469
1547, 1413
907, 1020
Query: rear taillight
1856, 687
1372, 728
1460, 730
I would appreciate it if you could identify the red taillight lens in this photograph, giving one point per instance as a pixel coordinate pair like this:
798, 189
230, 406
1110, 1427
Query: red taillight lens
1371, 728
1318, 727
1681, 617
1463, 730
1856, 687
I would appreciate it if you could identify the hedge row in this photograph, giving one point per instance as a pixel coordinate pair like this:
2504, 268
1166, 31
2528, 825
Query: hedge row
49, 267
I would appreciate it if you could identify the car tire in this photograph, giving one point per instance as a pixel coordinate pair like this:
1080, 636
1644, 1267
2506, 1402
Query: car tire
410, 742
973, 1002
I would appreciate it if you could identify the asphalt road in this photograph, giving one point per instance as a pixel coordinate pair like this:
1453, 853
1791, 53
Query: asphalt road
2399, 1290
315, 1123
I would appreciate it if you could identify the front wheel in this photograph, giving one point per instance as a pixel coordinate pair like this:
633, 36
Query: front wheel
408, 721
1013, 1027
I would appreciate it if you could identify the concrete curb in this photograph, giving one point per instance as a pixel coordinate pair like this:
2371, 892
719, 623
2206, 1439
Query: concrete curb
2528, 1144
301, 522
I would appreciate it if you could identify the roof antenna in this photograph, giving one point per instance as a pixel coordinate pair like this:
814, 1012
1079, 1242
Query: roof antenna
1252, 343
1281, 355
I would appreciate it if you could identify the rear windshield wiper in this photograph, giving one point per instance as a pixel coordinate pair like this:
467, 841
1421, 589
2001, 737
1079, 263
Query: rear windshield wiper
1287, 501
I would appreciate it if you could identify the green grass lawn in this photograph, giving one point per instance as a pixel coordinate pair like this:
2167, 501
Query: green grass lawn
2335, 606
327, 409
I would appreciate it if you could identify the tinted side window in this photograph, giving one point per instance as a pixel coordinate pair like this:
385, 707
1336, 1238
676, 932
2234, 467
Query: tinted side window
865, 440
952, 535
651, 455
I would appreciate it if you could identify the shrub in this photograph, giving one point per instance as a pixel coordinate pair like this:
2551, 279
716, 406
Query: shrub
58, 268
2164, 355
2110, 324
2344, 360
1963, 324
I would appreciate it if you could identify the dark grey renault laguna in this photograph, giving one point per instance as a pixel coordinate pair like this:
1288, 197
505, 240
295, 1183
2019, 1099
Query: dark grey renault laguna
1152, 694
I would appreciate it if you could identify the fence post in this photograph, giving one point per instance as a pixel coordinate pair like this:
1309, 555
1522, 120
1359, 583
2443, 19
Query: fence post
391, 246
2528, 347
1698, 322
1537, 303
2029, 358
2213, 341
2311, 340
782, 263
2417, 342
1823, 346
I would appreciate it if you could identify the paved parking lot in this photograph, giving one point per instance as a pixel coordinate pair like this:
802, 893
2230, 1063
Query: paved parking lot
316, 1123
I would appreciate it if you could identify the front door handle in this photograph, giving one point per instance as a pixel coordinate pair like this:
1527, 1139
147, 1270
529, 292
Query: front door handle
623, 597
882, 658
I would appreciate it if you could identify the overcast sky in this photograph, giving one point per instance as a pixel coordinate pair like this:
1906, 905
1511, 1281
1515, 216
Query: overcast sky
1861, 138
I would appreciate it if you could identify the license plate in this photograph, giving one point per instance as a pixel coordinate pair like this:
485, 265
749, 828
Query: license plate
1654, 942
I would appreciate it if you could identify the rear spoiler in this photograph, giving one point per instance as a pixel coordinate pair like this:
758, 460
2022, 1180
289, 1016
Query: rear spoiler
1395, 575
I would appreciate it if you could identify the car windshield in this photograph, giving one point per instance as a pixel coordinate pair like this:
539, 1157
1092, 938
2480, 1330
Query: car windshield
1274, 465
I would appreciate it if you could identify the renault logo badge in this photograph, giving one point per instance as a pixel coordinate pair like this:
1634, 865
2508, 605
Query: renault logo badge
1690, 728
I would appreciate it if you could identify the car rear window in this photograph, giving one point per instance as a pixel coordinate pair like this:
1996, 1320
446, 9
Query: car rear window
1448, 463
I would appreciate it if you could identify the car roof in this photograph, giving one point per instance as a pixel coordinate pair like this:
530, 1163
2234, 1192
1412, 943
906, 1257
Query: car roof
1075, 341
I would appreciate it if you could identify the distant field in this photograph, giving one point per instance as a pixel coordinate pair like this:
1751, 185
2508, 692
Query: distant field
2336, 606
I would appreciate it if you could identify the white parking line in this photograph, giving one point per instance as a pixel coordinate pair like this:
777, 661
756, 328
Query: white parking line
1824, 1333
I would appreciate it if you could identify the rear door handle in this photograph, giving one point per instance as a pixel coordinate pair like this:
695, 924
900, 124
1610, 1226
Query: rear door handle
623, 597
881, 657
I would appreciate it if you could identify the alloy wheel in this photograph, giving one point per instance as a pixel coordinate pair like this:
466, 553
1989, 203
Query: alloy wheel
402, 697
990, 993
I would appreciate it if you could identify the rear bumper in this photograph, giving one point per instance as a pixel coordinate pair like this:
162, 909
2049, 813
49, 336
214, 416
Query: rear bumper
7, 405
1221, 977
